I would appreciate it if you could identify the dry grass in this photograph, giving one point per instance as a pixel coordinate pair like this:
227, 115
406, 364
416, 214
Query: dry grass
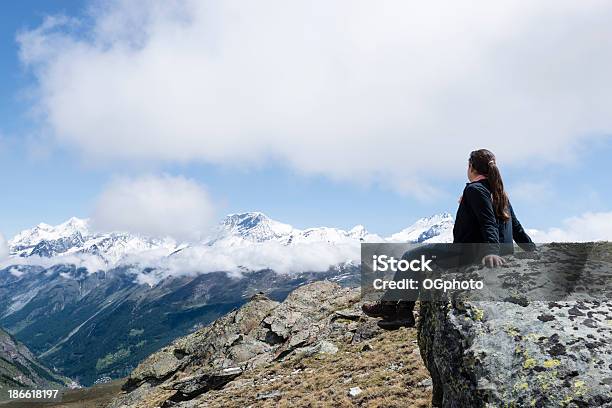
387, 368
388, 375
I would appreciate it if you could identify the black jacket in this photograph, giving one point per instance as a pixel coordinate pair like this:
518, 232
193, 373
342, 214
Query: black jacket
476, 221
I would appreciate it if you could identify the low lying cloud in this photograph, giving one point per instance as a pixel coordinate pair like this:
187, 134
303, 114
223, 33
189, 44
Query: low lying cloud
587, 227
235, 260
154, 206
354, 90
151, 266
90, 262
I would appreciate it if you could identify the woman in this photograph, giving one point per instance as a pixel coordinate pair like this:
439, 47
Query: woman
485, 216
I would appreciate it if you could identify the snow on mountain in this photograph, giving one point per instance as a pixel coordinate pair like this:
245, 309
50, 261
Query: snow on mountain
250, 227
116, 246
334, 235
239, 237
437, 228
73, 228
74, 237
255, 227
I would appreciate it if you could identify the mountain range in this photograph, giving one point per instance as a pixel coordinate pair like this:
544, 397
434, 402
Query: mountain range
75, 237
91, 323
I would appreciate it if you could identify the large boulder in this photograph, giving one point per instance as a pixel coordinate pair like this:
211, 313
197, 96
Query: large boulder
527, 350
259, 332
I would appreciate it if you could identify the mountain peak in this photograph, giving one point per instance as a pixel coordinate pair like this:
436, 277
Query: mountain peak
252, 226
435, 228
443, 216
237, 229
74, 237
73, 225
75, 221
245, 219
46, 232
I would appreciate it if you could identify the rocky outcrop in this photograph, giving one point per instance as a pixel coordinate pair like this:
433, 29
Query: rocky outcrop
19, 369
204, 360
264, 338
63, 313
317, 349
525, 351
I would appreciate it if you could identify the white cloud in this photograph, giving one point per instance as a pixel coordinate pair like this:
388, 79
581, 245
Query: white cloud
235, 260
92, 263
354, 90
587, 227
4, 249
154, 206
198, 259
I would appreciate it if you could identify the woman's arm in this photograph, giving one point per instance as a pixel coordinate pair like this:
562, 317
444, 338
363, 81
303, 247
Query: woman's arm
519, 235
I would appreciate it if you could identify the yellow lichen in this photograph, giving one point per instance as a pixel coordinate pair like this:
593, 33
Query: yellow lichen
552, 363
521, 386
579, 384
529, 363
545, 380
478, 314
512, 331
580, 387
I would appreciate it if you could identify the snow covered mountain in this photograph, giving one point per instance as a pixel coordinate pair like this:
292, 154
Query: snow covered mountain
250, 227
255, 227
47, 240
437, 228
74, 237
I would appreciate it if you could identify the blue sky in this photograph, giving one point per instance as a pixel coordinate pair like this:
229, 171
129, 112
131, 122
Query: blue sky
56, 168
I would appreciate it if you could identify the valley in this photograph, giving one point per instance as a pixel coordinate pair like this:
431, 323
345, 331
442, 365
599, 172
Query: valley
93, 305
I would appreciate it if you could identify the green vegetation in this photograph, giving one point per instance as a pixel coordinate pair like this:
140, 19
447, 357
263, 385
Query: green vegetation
112, 358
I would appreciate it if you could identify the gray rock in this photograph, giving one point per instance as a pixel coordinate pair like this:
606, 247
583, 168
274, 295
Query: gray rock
204, 360
535, 353
366, 331
322, 347
425, 383
269, 395
258, 333
354, 392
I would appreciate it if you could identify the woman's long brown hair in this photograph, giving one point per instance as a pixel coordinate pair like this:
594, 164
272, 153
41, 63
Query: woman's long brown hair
483, 162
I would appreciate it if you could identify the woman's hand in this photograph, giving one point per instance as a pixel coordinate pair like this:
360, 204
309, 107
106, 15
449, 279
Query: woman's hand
492, 261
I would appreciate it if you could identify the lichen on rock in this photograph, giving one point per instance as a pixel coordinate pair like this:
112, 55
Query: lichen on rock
505, 353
